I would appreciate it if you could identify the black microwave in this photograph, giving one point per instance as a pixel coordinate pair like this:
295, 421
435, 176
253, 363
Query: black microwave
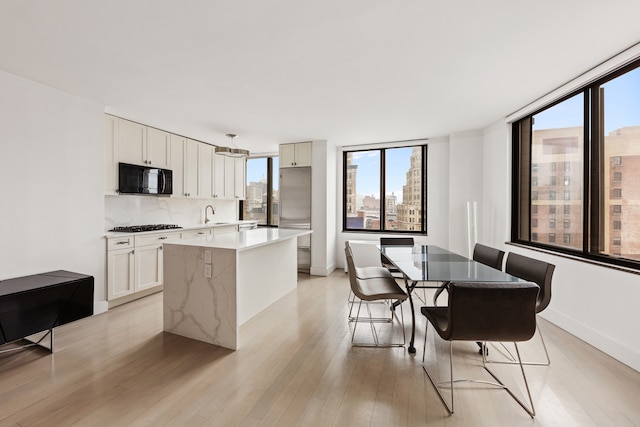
135, 179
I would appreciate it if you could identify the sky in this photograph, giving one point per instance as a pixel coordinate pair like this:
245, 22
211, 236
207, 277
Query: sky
368, 173
622, 106
257, 170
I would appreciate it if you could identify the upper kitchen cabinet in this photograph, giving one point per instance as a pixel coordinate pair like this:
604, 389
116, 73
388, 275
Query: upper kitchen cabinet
219, 176
240, 186
158, 152
110, 164
142, 145
295, 155
178, 146
229, 179
191, 168
205, 171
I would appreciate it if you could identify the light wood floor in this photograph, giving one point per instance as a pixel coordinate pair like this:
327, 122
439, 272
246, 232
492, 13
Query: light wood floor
296, 367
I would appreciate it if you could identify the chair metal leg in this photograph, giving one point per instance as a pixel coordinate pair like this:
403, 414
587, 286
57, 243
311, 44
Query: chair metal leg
374, 332
531, 410
513, 360
450, 407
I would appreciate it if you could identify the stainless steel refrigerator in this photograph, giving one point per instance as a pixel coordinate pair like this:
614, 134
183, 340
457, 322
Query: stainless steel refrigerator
295, 209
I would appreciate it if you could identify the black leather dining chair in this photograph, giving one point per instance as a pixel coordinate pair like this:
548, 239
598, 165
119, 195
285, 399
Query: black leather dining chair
483, 254
540, 273
396, 241
484, 311
372, 290
488, 256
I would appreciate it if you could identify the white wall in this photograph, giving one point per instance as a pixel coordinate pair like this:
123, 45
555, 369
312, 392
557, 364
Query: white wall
465, 185
323, 205
494, 229
594, 303
51, 169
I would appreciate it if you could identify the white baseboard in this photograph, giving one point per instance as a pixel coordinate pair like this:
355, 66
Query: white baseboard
315, 271
619, 351
100, 307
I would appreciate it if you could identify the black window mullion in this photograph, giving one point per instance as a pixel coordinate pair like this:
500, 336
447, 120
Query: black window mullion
383, 189
593, 226
269, 189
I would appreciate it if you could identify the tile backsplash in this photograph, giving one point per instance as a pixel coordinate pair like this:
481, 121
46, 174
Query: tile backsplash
124, 210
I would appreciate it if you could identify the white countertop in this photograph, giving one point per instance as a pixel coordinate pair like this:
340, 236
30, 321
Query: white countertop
243, 240
109, 234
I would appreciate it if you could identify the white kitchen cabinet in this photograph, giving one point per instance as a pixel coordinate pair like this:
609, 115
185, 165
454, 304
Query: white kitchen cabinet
205, 171
191, 168
240, 179
178, 146
131, 142
141, 145
295, 155
134, 263
148, 271
192, 234
229, 177
219, 176
120, 268
110, 164
158, 148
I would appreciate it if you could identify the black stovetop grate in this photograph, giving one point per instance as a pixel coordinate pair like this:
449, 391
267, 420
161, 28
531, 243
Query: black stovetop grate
141, 228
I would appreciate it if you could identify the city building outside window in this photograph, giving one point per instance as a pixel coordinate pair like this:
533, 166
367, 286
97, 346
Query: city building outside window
262, 201
388, 193
594, 134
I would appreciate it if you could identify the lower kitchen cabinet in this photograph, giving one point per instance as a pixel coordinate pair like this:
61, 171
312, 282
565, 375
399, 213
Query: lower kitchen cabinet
148, 261
120, 272
134, 264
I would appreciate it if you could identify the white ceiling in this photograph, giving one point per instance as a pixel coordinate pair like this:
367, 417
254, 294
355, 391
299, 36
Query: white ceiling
276, 71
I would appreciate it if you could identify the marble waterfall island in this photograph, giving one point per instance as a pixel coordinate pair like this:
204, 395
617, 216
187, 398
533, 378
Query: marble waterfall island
214, 284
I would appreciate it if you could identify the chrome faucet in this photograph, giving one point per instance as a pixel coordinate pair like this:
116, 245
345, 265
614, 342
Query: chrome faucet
213, 212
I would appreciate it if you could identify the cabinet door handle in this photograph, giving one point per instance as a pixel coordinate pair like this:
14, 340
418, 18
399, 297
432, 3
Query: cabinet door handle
162, 238
133, 251
160, 248
122, 242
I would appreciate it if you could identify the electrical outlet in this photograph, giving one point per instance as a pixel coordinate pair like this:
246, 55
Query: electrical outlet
207, 271
207, 257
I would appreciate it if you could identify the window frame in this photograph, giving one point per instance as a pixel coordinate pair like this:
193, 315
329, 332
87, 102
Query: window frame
594, 210
269, 206
423, 190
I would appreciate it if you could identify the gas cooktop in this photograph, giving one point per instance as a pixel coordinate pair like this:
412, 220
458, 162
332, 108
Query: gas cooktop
141, 228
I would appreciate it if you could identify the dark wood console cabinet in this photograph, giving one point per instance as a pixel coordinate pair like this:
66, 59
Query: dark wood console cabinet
40, 302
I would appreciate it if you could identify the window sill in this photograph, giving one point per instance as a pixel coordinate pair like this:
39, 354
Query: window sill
576, 258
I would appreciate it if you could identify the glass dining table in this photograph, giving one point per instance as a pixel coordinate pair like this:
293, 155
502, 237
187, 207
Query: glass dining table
429, 266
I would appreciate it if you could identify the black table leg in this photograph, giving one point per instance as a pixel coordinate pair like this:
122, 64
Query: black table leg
412, 349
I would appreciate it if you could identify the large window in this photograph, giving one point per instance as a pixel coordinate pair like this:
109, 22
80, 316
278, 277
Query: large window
594, 135
262, 191
385, 190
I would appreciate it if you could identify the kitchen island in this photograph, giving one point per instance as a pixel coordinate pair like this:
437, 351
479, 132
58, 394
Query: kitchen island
214, 284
